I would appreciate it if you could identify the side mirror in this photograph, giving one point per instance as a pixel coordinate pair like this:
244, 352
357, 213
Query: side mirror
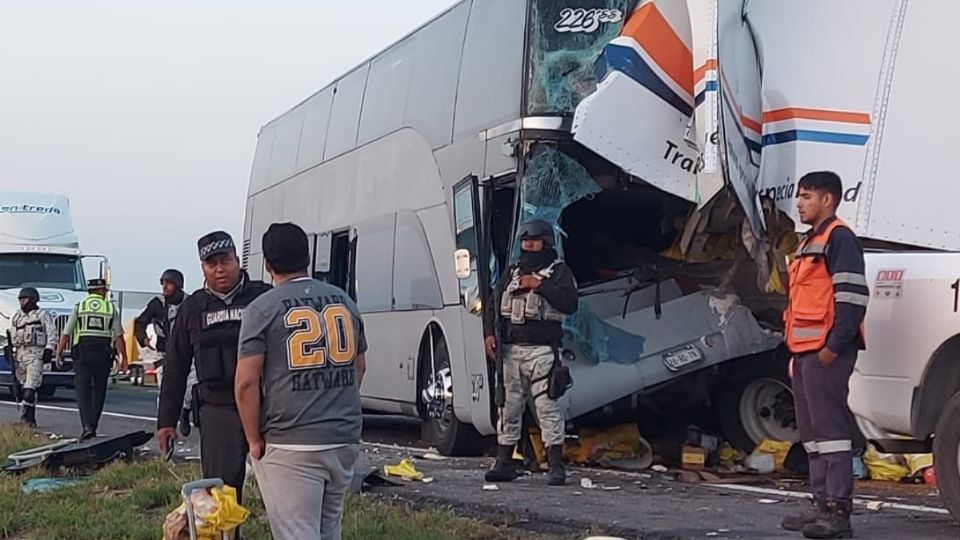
462, 263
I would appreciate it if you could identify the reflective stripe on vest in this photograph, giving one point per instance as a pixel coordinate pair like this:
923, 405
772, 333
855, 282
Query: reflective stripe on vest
810, 309
94, 318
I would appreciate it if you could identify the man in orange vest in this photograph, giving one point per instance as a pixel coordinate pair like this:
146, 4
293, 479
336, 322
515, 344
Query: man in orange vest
824, 332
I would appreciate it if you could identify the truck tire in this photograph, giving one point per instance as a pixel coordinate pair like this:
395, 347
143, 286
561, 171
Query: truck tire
753, 408
443, 430
946, 455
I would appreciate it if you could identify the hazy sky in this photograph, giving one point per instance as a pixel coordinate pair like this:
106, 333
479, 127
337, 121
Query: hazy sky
146, 113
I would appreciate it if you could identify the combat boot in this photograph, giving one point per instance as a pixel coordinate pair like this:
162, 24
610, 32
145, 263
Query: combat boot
504, 470
796, 522
836, 524
556, 476
28, 410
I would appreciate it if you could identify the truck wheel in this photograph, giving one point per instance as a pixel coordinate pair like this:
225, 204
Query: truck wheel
754, 409
946, 455
441, 428
46, 391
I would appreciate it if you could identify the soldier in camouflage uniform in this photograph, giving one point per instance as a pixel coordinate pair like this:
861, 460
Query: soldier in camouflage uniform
535, 296
34, 339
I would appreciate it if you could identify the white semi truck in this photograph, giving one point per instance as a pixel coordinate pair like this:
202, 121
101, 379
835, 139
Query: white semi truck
39, 248
863, 88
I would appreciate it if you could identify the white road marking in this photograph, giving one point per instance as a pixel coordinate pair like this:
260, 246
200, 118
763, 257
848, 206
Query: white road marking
801, 495
70, 409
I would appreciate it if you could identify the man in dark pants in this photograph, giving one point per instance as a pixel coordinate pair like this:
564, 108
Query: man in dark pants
824, 331
161, 313
207, 331
95, 330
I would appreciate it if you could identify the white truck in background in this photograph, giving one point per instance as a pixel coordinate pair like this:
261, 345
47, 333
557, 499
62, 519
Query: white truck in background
39, 248
869, 98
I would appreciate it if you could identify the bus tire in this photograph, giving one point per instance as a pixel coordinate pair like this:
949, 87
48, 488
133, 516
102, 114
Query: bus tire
756, 407
447, 434
946, 455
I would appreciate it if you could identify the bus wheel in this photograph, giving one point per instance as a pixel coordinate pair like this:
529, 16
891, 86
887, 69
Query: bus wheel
757, 408
441, 428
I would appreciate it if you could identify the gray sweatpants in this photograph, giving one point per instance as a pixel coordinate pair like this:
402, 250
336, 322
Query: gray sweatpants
303, 492
823, 419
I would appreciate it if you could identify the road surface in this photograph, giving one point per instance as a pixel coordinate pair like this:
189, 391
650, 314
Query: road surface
636, 505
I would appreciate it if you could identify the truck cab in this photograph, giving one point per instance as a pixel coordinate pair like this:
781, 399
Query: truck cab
39, 248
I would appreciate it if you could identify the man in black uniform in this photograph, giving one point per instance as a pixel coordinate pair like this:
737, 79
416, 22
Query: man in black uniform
161, 312
207, 331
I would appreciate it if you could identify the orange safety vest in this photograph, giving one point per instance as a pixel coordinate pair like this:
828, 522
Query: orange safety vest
810, 309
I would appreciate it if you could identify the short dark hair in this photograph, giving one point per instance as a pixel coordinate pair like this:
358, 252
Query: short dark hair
285, 247
823, 182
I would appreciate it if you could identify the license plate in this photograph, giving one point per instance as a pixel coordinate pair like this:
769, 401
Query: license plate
683, 357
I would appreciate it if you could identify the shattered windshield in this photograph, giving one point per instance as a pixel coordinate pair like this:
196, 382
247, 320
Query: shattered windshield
566, 38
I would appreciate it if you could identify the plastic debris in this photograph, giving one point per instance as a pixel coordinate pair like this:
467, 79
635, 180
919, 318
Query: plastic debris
606, 446
777, 449
875, 505
659, 468
587, 483
491, 487
427, 480
215, 511
405, 469
762, 463
768, 501
43, 485
884, 467
918, 462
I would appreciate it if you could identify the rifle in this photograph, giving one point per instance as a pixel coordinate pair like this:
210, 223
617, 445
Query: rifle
9, 352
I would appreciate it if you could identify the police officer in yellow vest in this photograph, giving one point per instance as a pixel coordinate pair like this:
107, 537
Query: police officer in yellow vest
95, 330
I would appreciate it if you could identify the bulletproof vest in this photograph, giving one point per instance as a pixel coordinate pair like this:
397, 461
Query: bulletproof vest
530, 306
164, 327
28, 329
215, 347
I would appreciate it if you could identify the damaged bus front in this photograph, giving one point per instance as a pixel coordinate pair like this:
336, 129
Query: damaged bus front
674, 315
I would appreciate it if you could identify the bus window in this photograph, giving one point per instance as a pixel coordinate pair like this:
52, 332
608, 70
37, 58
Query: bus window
374, 266
332, 260
463, 208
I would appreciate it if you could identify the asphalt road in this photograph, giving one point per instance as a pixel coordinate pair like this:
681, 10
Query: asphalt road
638, 505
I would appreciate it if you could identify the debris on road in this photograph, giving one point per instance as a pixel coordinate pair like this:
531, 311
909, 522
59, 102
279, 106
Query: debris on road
603, 447
405, 470
769, 501
491, 487
875, 505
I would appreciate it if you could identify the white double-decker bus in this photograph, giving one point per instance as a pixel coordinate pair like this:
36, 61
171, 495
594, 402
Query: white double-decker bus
444, 142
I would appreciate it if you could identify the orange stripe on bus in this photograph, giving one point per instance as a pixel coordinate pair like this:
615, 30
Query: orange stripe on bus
701, 71
790, 113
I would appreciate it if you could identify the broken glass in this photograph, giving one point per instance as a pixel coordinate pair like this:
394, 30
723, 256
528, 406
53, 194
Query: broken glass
565, 42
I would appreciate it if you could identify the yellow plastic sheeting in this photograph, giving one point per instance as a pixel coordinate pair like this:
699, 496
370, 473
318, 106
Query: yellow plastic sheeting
216, 512
778, 449
404, 469
884, 467
596, 446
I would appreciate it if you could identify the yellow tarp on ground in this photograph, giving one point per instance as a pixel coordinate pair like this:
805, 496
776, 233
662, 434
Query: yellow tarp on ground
595, 446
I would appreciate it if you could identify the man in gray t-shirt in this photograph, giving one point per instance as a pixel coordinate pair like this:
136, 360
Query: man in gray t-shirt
302, 349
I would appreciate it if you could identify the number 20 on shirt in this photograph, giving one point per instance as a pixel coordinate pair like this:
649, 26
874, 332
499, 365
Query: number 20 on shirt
319, 337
